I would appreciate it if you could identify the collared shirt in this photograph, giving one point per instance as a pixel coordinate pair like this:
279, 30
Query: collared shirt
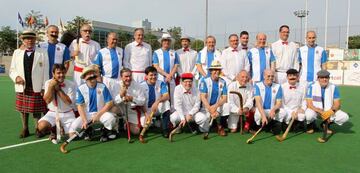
166, 59
69, 89
268, 94
311, 59
216, 89
186, 103
260, 59
88, 51
58, 54
137, 57
94, 98
246, 92
285, 55
134, 90
294, 96
110, 62
187, 61
233, 61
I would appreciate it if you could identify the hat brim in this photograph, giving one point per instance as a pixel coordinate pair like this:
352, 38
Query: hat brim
84, 73
161, 39
27, 36
215, 68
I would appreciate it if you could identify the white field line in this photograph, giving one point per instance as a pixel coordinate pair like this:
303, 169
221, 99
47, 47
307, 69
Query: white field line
22, 144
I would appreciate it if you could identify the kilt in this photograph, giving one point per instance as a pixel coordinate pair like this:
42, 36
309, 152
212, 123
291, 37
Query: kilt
30, 102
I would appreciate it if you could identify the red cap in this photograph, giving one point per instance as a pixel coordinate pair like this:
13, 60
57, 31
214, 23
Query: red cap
187, 76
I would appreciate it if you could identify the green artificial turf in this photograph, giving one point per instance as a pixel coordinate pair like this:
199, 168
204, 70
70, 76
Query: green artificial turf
299, 153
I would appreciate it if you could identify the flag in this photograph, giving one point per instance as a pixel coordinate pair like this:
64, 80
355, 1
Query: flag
20, 20
29, 21
46, 21
61, 25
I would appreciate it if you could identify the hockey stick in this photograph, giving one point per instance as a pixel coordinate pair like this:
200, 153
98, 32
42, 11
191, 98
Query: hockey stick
241, 107
283, 137
57, 121
250, 140
127, 123
77, 134
325, 124
146, 127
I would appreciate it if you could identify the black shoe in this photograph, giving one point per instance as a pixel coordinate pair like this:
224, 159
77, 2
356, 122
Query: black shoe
88, 134
165, 134
104, 135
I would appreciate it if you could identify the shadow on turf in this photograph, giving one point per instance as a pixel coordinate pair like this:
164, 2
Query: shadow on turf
345, 128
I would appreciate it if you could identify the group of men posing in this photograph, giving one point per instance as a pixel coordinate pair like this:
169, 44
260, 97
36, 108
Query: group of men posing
277, 83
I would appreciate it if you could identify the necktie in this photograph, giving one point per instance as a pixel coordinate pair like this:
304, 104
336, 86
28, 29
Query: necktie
62, 85
187, 92
140, 45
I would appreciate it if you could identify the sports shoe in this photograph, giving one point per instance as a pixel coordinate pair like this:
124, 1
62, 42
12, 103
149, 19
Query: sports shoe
24, 133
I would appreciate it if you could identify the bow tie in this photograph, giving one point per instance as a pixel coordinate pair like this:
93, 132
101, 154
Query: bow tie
285, 43
292, 87
186, 49
62, 85
244, 48
242, 87
86, 42
187, 92
29, 50
140, 44
234, 50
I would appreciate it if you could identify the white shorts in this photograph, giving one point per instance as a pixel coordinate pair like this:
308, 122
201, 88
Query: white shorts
200, 119
108, 119
287, 114
339, 117
233, 121
65, 119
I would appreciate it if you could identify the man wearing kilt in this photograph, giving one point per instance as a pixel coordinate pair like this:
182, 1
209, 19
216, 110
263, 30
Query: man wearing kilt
29, 70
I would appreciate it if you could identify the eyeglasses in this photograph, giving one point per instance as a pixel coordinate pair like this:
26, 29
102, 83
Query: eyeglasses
89, 31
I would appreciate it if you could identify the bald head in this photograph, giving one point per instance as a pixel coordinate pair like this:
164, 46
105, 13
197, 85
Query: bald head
268, 77
261, 40
242, 77
311, 38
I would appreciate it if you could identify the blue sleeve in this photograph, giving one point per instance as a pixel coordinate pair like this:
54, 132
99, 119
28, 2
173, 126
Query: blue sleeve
309, 92
299, 57
224, 90
107, 95
198, 60
323, 57
163, 88
202, 86
66, 56
272, 57
256, 91
79, 98
336, 93
279, 94
176, 61
155, 58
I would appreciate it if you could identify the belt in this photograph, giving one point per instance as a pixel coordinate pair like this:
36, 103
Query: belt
78, 69
61, 112
136, 71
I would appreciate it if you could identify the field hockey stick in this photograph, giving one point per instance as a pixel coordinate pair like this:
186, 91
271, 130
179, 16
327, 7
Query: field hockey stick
79, 133
241, 108
323, 139
250, 140
57, 121
283, 137
127, 123
172, 133
146, 127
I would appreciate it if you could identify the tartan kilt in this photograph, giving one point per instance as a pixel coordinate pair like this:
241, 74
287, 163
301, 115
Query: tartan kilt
30, 102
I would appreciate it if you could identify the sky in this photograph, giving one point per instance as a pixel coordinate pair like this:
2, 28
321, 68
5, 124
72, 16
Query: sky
225, 16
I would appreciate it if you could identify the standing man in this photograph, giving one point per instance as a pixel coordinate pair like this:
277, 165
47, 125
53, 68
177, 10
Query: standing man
213, 95
166, 62
93, 102
138, 56
187, 57
206, 56
268, 97
83, 52
60, 96
58, 53
242, 86
312, 58
293, 101
323, 99
29, 70
261, 58
244, 40
285, 53
157, 97
109, 60
187, 106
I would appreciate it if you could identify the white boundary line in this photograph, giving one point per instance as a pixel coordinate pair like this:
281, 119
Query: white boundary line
22, 144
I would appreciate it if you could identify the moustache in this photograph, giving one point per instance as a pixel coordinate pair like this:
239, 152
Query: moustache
292, 79
54, 36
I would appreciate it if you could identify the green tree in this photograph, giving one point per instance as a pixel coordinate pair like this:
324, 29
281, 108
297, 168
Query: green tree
124, 38
152, 40
354, 42
7, 39
197, 45
73, 24
175, 33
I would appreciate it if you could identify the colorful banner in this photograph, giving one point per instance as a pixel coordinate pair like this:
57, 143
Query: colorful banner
336, 54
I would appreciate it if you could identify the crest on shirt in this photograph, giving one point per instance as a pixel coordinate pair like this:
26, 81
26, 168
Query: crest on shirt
58, 48
267, 52
274, 91
202, 85
99, 91
317, 52
40, 64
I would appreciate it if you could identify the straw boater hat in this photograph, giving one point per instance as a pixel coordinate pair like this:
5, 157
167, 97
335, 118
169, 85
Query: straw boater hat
215, 65
28, 34
166, 36
186, 37
86, 70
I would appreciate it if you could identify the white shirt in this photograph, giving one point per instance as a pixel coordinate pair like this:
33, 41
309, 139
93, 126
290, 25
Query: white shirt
186, 103
293, 98
69, 89
187, 61
137, 57
233, 61
134, 90
88, 52
246, 93
285, 55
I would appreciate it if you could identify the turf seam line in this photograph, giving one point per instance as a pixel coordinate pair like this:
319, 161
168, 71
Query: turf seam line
22, 144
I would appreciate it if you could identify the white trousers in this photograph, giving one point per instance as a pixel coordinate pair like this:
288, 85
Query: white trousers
65, 119
233, 121
286, 113
108, 119
77, 79
138, 77
110, 83
339, 117
257, 116
200, 119
281, 77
